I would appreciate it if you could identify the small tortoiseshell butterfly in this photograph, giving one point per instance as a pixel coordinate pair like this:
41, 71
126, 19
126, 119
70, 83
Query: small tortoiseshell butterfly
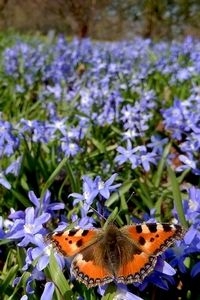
125, 255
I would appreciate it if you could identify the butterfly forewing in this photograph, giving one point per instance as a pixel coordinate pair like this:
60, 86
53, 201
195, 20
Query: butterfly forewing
71, 242
153, 238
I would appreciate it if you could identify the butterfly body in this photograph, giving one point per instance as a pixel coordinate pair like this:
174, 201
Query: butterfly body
126, 254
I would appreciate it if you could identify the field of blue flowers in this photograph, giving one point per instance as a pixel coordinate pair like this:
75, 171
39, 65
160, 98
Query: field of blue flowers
93, 131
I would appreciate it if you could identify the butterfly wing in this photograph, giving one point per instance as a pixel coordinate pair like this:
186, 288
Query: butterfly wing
71, 242
148, 241
153, 238
89, 266
88, 246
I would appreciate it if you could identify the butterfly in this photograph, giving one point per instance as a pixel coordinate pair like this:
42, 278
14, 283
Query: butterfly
127, 254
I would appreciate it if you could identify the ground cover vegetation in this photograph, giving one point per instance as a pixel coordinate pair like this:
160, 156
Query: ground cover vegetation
95, 131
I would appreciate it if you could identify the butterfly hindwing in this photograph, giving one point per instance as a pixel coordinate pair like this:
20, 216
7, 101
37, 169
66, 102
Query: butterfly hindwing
89, 266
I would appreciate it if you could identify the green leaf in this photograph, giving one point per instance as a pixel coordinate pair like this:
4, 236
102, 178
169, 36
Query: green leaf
110, 292
21, 198
63, 288
100, 146
55, 173
177, 196
112, 216
8, 278
124, 188
144, 193
20, 284
158, 174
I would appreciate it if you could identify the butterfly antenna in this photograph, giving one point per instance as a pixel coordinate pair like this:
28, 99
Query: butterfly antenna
116, 212
97, 213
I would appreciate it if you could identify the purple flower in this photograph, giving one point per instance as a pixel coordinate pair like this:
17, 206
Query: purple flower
176, 256
2, 233
4, 182
14, 167
8, 141
57, 125
69, 147
35, 275
84, 221
35, 130
137, 156
25, 229
146, 158
160, 277
42, 253
92, 188
175, 119
122, 292
127, 154
195, 269
55, 90
189, 163
106, 187
157, 144
48, 291
183, 74
191, 242
192, 205
44, 204
89, 193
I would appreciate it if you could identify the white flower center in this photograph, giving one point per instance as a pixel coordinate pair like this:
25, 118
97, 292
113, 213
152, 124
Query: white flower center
47, 250
28, 228
86, 195
101, 185
193, 205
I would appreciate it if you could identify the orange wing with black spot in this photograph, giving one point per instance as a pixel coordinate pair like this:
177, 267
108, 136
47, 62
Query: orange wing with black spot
148, 240
71, 242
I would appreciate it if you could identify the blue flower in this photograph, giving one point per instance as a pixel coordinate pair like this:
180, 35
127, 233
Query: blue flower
145, 158
14, 167
84, 221
89, 193
127, 155
26, 228
189, 163
44, 204
48, 291
137, 156
9, 143
92, 188
157, 144
123, 294
57, 125
35, 275
192, 205
195, 269
69, 147
106, 187
42, 253
160, 277
2, 233
4, 182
